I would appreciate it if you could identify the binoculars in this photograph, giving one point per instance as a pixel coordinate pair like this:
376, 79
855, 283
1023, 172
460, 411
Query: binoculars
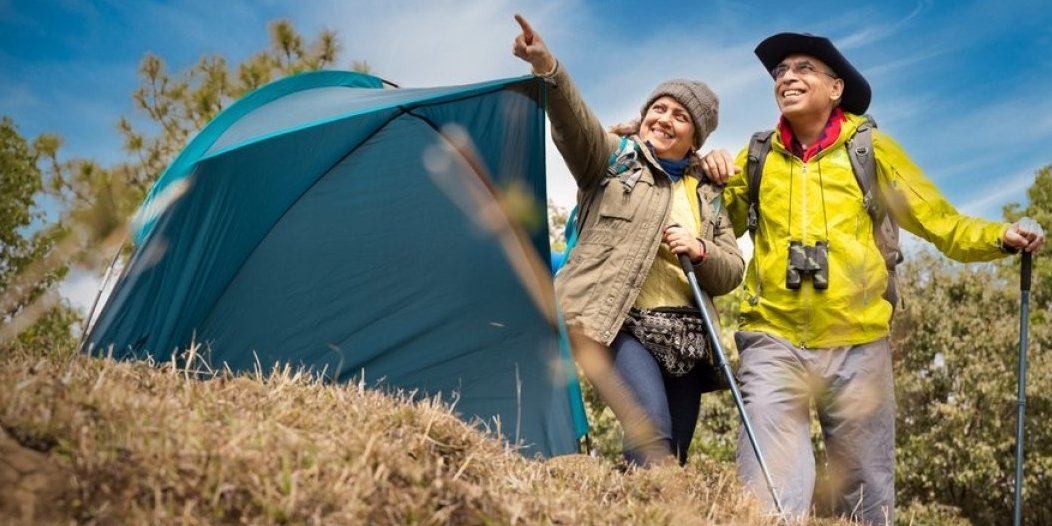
804, 260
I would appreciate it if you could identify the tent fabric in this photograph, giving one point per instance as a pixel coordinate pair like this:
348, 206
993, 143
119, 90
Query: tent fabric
312, 227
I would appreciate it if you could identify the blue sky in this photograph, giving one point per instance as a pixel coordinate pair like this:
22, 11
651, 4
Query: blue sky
963, 86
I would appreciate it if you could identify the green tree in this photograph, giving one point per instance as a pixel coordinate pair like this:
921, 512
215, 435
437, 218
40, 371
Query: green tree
178, 107
557, 217
956, 358
96, 202
100, 200
28, 268
1039, 207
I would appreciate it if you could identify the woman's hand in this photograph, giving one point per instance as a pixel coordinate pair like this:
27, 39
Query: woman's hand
530, 47
680, 241
718, 166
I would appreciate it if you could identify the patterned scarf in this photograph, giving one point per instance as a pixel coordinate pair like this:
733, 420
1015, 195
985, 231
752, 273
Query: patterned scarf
829, 135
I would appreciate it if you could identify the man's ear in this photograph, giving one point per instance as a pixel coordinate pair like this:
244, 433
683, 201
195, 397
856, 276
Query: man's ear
838, 89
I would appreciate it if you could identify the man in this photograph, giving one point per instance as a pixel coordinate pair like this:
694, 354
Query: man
815, 326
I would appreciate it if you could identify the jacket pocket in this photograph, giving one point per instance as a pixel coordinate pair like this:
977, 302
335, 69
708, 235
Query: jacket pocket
620, 204
581, 281
615, 214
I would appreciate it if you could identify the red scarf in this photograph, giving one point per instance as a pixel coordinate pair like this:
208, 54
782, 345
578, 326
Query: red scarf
828, 136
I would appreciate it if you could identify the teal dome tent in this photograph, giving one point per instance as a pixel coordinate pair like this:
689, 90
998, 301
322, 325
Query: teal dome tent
326, 223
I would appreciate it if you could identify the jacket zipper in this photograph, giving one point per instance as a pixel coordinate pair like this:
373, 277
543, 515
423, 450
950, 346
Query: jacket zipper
804, 291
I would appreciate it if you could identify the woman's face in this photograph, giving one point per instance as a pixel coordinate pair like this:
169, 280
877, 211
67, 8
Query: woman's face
669, 128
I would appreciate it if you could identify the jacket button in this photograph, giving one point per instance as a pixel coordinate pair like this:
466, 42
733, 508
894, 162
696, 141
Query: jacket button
646, 225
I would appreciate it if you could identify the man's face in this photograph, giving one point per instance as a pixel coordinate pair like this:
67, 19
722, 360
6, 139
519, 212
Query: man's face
805, 86
669, 128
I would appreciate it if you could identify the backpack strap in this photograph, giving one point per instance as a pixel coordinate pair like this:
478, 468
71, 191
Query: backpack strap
885, 229
759, 147
864, 166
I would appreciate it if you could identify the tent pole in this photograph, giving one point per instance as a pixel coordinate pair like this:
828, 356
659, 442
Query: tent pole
87, 325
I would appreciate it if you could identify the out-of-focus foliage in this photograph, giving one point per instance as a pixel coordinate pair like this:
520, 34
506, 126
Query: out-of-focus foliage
956, 353
957, 357
1039, 208
557, 217
28, 268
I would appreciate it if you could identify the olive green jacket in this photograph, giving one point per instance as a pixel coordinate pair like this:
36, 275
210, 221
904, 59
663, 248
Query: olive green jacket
622, 220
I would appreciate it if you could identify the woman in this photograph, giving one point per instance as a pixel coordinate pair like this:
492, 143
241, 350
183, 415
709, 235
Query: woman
641, 204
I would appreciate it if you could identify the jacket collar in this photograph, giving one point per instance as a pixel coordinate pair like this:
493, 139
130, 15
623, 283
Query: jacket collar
829, 136
848, 126
648, 175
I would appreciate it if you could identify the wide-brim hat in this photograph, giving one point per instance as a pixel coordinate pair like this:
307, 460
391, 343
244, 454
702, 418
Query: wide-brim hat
775, 48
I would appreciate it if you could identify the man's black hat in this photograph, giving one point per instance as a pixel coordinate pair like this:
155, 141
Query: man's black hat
775, 48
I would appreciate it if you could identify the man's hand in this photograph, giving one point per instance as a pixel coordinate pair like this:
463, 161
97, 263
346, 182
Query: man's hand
718, 166
530, 47
1025, 235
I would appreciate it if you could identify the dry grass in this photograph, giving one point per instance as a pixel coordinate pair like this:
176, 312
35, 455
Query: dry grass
97, 441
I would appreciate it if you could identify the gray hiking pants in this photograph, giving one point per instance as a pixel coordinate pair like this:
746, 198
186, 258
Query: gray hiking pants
854, 395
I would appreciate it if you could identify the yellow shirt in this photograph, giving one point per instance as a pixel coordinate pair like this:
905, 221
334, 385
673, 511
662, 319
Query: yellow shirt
666, 286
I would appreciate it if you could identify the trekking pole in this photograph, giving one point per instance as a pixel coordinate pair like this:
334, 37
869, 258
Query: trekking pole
721, 363
1024, 316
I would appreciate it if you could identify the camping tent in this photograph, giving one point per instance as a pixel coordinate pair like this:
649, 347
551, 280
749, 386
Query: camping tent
325, 223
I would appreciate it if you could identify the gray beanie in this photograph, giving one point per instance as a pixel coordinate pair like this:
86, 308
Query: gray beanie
697, 98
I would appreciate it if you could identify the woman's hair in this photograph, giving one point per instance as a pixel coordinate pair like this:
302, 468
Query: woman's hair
631, 127
626, 129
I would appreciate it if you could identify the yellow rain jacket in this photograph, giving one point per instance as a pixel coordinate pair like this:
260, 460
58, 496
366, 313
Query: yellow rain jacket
821, 200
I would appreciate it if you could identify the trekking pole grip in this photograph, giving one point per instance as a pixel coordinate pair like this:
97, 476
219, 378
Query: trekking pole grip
684, 260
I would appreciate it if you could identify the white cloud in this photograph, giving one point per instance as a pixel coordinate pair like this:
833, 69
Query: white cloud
889, 71
80, 288
19, 96
872, 32
440, 42
1007, 190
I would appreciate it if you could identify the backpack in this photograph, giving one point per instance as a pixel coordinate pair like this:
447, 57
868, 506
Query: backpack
864, 166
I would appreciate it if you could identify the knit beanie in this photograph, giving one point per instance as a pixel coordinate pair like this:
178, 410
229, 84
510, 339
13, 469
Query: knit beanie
697, 98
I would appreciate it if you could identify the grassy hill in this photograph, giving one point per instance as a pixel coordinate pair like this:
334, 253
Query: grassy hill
96, 441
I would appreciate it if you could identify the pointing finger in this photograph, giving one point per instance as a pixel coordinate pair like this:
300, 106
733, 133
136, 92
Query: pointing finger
527, 31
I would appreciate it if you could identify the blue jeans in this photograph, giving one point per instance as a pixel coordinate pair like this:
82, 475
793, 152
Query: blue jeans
670, 402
